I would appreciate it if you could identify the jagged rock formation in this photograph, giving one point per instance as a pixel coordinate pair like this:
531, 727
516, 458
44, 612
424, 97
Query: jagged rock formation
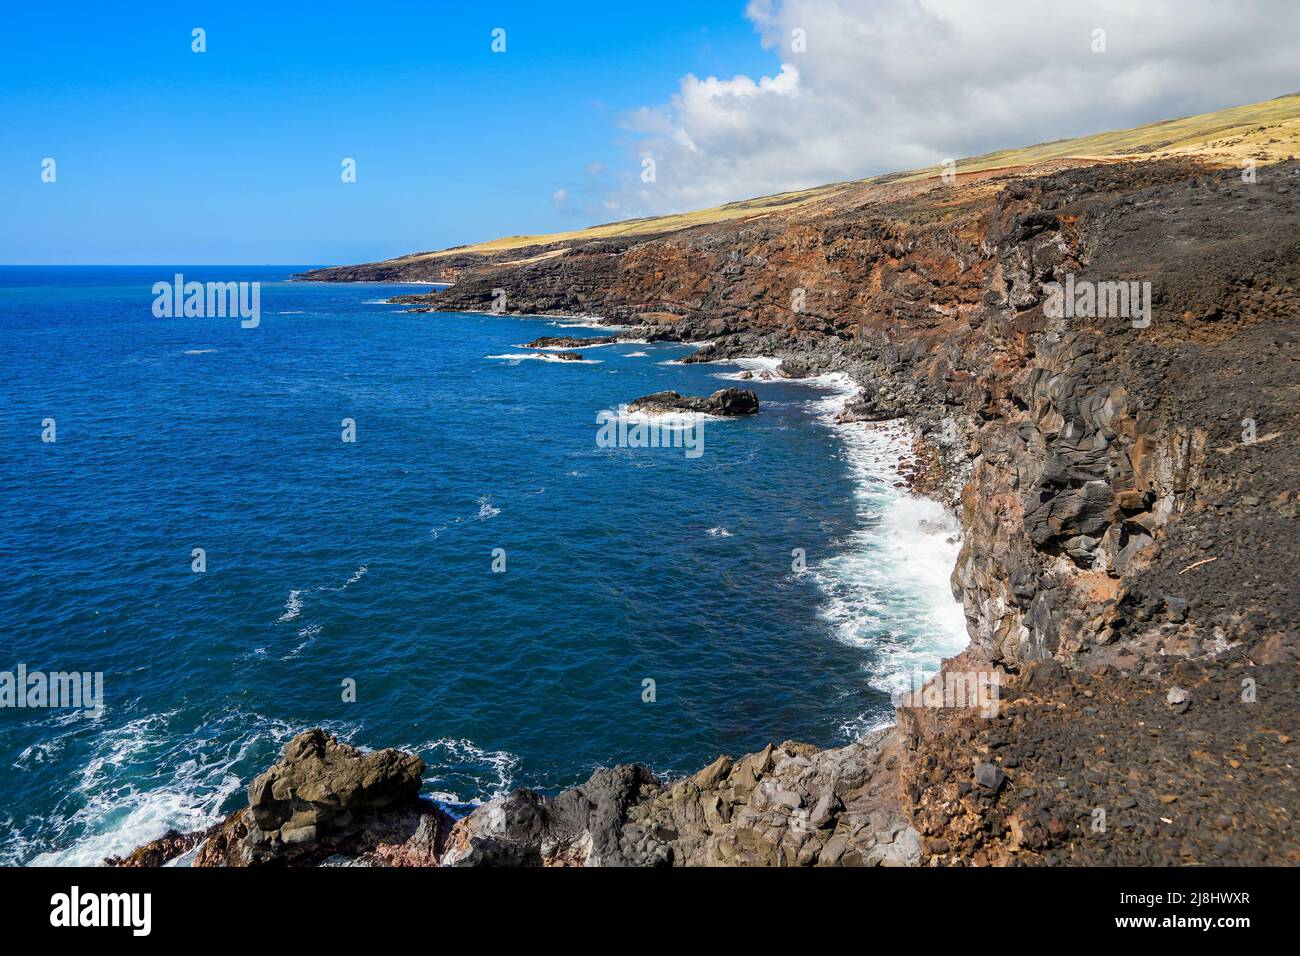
785, 805
326, 798
1126, 490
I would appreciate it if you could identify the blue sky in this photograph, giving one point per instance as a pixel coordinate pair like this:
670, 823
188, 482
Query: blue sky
233, 155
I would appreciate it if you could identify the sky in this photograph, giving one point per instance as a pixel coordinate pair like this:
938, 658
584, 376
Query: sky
236, 154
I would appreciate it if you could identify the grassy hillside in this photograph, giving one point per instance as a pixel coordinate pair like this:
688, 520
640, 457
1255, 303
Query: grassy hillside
1267, 132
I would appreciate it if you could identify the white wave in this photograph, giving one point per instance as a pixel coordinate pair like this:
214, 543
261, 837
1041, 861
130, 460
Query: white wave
490, 772
294, 604
38, 753
308, 634
486, 509
667, 420
141, 818
752, 363
198, 351
888, 591
517, 357
292, 607
143, 780
636, 355
586, 322
865, 723
764, 368
720, 532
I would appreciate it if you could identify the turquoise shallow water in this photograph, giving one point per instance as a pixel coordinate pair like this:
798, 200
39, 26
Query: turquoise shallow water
372, 560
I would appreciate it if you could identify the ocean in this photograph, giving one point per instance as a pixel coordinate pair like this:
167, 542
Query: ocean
496, 586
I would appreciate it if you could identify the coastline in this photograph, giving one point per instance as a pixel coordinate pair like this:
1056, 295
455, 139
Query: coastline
1123, 538
152, 811
888, 450
873, 831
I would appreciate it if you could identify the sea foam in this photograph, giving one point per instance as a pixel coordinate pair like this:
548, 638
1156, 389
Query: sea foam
886, 588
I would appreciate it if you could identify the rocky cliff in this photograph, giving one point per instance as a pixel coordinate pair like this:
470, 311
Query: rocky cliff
1124, 466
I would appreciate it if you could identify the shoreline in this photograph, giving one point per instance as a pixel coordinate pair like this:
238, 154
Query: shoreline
841, 387
896, 843
1095, 465
845, 387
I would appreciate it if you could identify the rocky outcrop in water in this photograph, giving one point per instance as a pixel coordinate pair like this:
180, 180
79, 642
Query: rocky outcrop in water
726, 402
570, 341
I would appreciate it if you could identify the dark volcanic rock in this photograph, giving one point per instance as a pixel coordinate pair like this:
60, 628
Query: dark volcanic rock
989, 776
728, 402
326, 797
865, 406
791, 805
569, 341
157, 852
579, 827
794, 367
321, 784
787, 805
568, 356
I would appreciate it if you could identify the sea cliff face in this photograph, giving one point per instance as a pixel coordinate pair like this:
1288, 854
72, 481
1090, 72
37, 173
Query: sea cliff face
1124, 469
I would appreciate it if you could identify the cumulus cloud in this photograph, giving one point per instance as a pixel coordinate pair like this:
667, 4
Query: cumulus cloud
871, 86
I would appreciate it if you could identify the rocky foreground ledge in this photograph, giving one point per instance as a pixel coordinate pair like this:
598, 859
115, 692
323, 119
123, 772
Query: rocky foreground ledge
329, 804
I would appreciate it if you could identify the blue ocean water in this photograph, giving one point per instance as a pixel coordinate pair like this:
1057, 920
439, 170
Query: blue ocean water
372, 560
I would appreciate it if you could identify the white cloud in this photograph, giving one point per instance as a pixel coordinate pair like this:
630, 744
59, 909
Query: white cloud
897, 84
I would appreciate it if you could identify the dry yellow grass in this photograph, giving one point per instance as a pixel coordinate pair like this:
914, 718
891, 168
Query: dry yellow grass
744, 209
1266, 132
